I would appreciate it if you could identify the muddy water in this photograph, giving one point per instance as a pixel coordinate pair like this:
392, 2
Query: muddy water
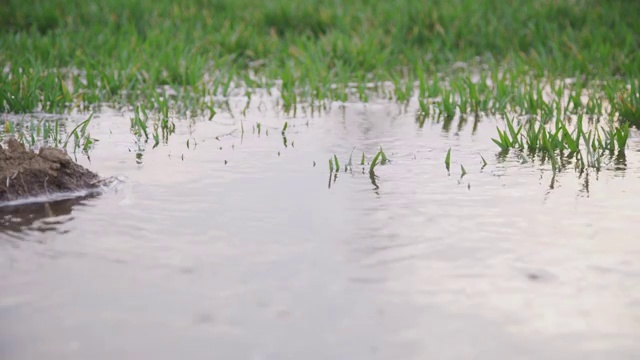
238, 247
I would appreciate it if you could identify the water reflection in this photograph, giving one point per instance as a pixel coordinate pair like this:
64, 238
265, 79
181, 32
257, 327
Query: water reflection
16, 218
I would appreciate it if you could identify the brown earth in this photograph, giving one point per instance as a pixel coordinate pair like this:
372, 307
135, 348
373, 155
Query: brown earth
25, 174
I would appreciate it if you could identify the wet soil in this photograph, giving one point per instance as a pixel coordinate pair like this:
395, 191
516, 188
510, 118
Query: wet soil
26, 174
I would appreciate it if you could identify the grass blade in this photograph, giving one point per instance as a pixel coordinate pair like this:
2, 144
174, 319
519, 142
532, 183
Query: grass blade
447, 159
484, 162
374, 162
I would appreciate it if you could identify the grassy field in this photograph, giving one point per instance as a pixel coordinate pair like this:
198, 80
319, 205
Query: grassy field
57, 54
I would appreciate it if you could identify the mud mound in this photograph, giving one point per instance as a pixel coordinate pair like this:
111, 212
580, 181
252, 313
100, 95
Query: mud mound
25, 174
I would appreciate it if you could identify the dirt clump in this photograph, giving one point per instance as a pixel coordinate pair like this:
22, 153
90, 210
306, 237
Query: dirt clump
25, 174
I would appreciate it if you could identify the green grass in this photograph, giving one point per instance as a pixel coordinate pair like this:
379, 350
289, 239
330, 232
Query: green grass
585, 146
47, 132
380, 158
447, 160
59, 54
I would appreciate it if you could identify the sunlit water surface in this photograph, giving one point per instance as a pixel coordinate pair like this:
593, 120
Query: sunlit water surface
240, 245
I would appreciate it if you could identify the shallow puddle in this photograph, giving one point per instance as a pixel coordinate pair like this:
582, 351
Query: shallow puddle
241, 245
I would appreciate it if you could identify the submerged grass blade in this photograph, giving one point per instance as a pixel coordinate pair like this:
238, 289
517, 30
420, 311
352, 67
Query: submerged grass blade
83, 125
349, 163
484, 162
374, 162
622, 135
447, 160
383, 157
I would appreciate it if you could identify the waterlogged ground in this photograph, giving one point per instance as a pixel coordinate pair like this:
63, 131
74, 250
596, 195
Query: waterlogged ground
238, 247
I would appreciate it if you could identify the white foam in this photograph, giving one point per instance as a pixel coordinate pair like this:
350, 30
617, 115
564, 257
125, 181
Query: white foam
108, 184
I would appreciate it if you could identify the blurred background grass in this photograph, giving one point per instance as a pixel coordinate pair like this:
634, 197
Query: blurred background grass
157, 42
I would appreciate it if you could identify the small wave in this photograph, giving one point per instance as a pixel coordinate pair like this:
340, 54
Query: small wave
108, 184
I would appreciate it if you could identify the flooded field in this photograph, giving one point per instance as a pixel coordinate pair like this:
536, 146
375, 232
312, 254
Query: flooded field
234, 241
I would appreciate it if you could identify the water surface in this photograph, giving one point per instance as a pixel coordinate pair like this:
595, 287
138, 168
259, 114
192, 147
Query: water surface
242, 246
